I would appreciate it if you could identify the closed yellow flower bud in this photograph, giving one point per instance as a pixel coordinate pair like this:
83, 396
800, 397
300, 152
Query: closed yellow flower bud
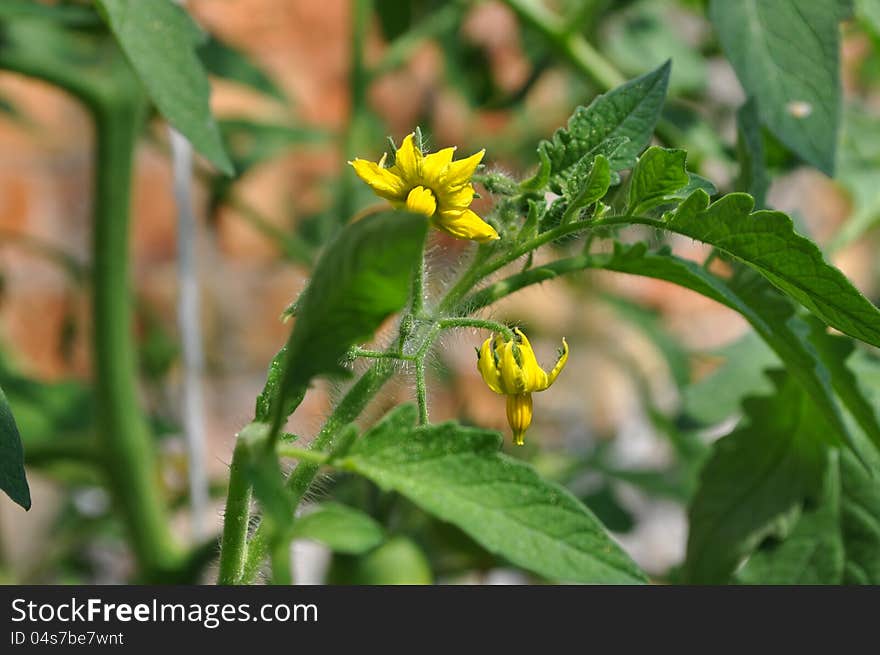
510, 368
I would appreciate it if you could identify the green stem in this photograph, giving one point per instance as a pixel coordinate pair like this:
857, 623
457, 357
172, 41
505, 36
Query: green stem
234, 548
421, 392
348, 409
124, 435
464, 321
572, 45
302, 454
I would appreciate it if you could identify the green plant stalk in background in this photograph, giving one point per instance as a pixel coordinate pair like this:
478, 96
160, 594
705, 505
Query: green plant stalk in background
123, 431
117, 106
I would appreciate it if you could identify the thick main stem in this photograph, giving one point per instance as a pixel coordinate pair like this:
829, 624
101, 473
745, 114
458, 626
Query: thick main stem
123, 432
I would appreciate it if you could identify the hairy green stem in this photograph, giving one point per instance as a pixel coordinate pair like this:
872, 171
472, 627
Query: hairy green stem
233, 549
421, 392
348, 409
482, 324
124, 435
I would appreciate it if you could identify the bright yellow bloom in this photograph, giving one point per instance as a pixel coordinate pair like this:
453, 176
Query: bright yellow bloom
432, 185
510, 368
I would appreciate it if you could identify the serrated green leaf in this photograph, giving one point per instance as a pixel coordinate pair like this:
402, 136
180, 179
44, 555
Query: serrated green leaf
771, 315
160, 40
12, 476
766, 241
458, 475
629, 111
223, 60
659, 173
754, 476
360, 280
341, 528
786, 55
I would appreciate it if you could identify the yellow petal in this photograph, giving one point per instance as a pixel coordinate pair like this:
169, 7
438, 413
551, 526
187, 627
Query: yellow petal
465, 224
560, 364
488, 369
382, 181
519, 415
434, 166
534, 377
457, 198
408, 161
421, 201
460, 172
512, 380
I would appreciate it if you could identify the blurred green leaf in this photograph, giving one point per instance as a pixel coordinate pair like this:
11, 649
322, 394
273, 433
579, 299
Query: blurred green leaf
341, 528
755, 475
73, 15
12, 477
836, 541
222, 60
752, 176
603, 502
644, 35
398, 561
786, 55
659, 173
159, 39
457, 474
859, 173
718, 396
362, 278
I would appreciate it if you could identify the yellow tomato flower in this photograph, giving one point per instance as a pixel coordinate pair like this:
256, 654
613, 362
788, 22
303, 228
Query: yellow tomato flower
510, 368
432, 185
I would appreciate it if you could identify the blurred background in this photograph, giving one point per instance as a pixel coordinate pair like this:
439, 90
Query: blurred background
655, 370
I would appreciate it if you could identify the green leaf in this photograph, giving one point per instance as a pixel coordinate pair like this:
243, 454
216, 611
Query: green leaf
834, 351
768, 313
754, 476
835, 542
398, 561
361, 279
73, 15
766, 241
12, 477
629, 111
458, 475
659, 173
223, 60
585, 187
160, 40
785, 54
812, 554
341, 528
752, 176
646, 34
718, 396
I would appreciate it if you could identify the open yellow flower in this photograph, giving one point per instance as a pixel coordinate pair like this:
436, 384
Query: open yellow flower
432, 185
510, 368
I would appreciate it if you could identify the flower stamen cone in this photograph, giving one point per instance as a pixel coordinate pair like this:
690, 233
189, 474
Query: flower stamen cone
509, 367
432, 185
